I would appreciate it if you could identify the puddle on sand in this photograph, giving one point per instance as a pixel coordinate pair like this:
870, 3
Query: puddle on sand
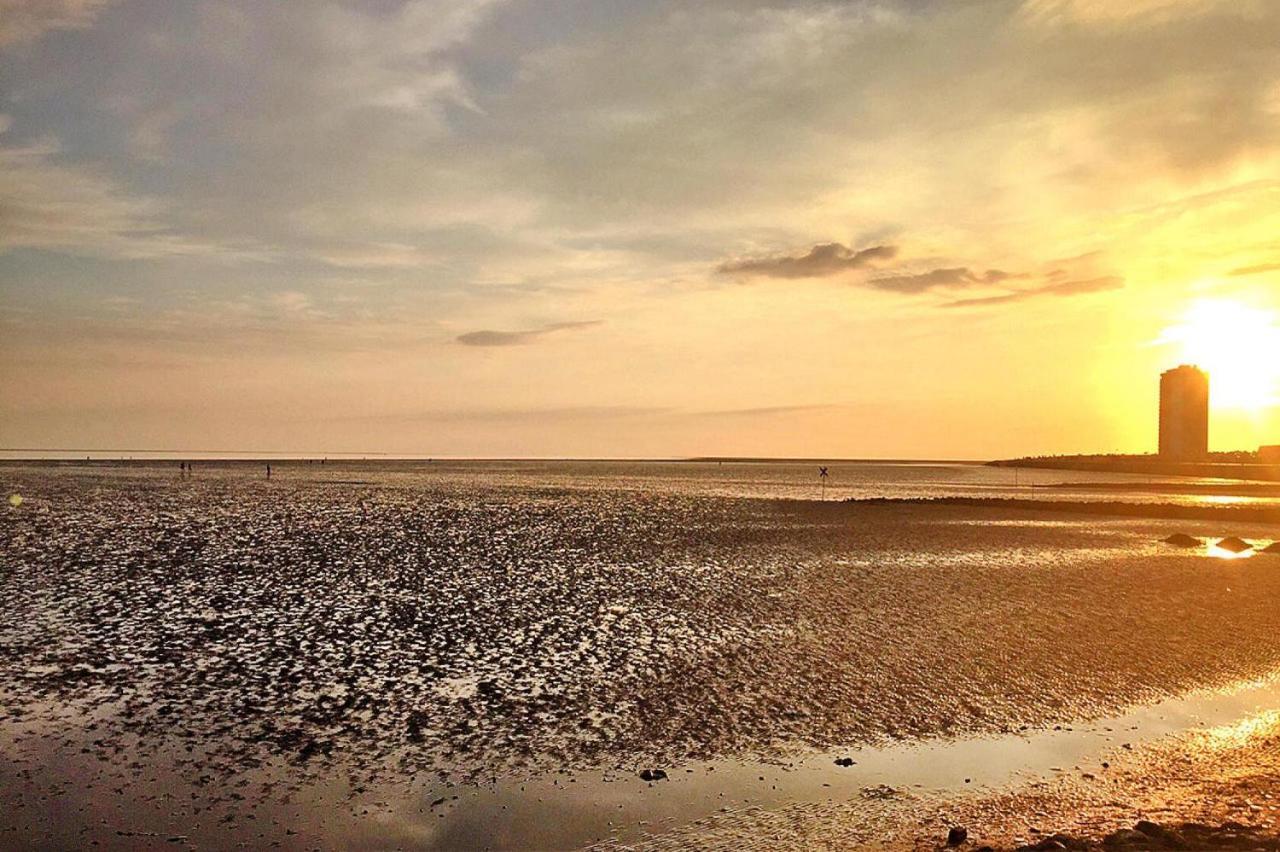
564, 811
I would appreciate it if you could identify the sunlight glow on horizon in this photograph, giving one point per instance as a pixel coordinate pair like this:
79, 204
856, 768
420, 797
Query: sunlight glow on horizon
1237, 344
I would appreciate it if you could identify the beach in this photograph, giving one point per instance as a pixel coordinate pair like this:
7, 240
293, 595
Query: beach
370, 655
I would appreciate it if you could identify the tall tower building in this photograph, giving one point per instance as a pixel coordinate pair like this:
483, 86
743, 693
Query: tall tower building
1184, 413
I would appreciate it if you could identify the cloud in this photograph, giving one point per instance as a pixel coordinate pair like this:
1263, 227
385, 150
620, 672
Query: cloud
48, 204
487, 337
1255, 270
822, 260
1111, 13
506, 415
27, 20
583, 412
1078, 281
374, 256
944, 278
831, 258
766, 411
1075, 287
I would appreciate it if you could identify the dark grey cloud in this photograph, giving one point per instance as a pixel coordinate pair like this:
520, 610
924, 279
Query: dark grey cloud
944, 278
488, 337
1075, 287
822, 260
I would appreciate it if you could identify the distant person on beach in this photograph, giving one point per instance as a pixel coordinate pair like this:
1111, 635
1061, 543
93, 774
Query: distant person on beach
268, 471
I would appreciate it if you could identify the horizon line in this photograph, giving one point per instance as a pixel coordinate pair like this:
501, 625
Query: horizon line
234, 455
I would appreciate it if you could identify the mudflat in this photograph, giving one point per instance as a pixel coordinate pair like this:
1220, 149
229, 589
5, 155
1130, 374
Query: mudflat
203, 660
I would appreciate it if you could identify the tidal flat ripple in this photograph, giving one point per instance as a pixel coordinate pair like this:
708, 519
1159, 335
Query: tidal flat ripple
419, 624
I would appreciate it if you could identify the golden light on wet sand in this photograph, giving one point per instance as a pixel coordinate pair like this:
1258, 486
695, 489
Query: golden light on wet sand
1238, 345
1222, 553
1243, 732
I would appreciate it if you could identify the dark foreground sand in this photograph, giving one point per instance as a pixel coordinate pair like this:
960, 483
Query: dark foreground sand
270, 644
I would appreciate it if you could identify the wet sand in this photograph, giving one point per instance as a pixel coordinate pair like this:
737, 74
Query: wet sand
225, 659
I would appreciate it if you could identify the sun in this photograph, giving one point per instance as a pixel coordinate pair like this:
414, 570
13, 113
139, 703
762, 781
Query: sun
1237, 344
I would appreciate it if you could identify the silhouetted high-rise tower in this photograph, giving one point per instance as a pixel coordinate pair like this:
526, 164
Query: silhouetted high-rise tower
1184, 413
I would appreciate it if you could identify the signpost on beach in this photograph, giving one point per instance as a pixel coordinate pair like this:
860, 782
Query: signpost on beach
822, 475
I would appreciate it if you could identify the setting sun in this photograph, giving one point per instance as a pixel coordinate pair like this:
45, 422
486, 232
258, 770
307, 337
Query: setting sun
1237, 344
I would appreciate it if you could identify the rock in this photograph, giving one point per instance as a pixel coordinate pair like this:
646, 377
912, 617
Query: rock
1125, 837
1234, 545
1049, 844
1182, 540
1273, 547
1149, 828
844, 761
653, 775
957, 835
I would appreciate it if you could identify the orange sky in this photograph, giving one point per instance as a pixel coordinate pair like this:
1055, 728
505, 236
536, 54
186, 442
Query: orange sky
486, 227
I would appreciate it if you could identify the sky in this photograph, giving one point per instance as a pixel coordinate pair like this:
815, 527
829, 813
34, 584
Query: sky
619, 228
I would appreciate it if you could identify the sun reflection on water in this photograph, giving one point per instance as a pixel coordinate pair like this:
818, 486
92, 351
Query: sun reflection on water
1222, 553
1224, 499
1241, 733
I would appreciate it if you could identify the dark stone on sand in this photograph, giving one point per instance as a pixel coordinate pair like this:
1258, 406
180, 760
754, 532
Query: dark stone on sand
312, 748
1235, 545
1273, 547
957, 835
1182, 540
653, 775
1049, 844
844, 761
1124, 837
1149, 828
1148, 835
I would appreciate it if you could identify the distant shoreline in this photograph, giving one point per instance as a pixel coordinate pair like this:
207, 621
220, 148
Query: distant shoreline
1162, 511
1228, 466
116, 456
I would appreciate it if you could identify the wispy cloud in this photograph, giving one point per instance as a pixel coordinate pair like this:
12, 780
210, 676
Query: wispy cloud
829, 259
1255, 270
48, 204
1110, 13
506, 415
824, 259
765, 411
943, 278
582, 413
1062, 288
487, 337
27, 20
